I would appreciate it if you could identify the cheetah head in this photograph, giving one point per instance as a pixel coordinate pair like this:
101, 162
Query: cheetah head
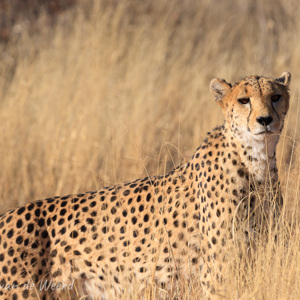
255, 107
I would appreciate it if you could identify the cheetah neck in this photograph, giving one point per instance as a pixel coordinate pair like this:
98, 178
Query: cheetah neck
258, 155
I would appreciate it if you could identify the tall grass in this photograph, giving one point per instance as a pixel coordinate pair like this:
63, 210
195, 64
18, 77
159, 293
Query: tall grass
118, 90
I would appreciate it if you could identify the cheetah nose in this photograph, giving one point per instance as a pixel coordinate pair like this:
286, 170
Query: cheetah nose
264, 121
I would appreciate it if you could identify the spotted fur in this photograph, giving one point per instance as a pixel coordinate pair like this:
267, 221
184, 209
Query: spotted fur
157, 228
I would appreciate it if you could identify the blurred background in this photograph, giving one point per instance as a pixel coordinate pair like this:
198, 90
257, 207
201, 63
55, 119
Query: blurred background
94, 93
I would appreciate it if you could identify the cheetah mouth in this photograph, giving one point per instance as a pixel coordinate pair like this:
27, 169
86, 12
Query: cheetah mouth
267, 132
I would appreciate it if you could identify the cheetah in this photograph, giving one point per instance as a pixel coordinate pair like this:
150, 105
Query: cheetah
156, 228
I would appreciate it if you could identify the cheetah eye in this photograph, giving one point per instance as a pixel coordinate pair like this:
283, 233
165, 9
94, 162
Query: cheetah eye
275, 98
244, 100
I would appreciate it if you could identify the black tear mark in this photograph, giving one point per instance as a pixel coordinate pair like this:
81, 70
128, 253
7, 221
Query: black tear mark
275, 111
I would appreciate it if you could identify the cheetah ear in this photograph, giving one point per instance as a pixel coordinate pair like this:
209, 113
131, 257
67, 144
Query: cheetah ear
218, 88
285, 78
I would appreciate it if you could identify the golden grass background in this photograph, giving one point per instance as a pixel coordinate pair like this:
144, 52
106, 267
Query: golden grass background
117, 90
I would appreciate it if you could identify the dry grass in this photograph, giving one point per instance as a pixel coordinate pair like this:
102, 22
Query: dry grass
119, 89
